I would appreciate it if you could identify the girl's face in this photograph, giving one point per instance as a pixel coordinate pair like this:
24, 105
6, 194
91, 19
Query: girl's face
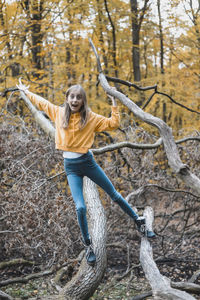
75, 101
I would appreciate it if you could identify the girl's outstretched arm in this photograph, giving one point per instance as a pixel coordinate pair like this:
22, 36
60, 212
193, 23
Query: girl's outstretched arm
43, 104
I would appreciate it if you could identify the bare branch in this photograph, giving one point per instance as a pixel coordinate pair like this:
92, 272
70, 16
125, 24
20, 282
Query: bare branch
8, 90
130, 84
27, 278
15, 262
113, 147
194, 276
177, 103
154, 87
4, 296
142, 189
120, 145
187, 286
44, 123
97, 57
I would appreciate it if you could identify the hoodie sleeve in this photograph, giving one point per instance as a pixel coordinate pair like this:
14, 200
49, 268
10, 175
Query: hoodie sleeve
44, 105
103, 123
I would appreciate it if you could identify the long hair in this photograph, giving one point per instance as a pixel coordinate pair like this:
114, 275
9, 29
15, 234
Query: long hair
84, 111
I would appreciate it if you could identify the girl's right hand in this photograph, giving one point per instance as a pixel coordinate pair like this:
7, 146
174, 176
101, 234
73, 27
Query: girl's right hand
22, 87
114, 102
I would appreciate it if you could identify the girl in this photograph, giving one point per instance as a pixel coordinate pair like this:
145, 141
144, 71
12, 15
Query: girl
75, 129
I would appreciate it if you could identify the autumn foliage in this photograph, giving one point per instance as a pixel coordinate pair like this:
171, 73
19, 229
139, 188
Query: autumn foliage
46, 42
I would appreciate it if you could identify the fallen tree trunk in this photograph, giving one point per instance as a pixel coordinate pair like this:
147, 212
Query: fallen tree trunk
161, 286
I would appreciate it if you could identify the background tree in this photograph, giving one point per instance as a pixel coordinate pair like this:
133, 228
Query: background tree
161, 38
137, 18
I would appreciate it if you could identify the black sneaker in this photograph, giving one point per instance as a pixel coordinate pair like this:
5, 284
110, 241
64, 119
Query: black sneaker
89, 253
140, 222
90, 256
150, 234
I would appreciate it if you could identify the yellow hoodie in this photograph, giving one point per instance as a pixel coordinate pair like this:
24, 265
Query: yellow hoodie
73, 138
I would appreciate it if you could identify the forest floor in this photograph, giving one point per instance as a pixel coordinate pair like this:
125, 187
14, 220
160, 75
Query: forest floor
115, 285
109, 289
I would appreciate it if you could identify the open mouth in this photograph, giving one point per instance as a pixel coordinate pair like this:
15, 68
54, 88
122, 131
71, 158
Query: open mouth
74, 105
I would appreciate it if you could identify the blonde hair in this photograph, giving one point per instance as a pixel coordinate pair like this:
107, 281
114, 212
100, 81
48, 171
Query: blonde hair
84, 111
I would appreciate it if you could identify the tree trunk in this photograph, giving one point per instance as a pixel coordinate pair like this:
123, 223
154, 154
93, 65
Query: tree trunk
36, 34
69, 52
136, 22
135, 40
161, 39
100, 31
113, 39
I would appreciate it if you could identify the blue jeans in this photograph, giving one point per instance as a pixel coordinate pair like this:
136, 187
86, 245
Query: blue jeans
76, 169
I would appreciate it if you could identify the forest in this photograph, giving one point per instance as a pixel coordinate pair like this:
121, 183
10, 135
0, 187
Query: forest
150, 52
